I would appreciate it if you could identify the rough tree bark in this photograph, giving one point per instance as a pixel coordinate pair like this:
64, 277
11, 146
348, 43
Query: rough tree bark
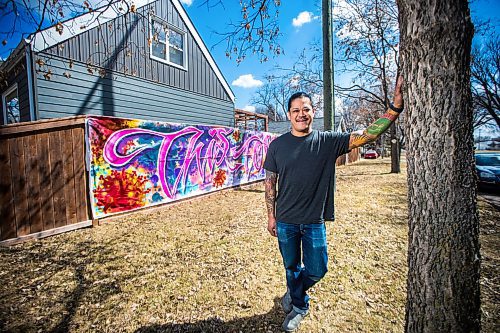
443, 255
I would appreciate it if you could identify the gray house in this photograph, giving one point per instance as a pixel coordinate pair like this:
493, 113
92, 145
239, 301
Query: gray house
143, 61
282, 127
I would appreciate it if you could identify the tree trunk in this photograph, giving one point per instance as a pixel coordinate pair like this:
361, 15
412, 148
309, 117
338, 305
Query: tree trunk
395, 156
443, 254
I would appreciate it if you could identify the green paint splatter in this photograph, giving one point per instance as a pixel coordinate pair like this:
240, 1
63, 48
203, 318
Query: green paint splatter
379, 126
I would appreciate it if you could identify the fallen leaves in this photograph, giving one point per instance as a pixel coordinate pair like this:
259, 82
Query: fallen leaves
209, 265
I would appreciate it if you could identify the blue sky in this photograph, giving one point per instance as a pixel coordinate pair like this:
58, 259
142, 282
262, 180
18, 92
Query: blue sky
245, 77
294, 39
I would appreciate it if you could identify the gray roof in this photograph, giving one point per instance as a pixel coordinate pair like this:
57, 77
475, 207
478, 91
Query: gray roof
281, 127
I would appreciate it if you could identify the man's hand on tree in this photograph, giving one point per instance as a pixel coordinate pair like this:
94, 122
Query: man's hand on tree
398, 93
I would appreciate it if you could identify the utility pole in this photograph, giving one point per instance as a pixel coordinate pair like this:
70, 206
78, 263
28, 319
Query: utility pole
328, 98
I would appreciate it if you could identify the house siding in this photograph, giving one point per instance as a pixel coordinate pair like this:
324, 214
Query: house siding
18, 75
282, 127
121, 45
119, 95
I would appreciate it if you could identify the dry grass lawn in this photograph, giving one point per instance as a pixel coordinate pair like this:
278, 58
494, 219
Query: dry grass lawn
209, 266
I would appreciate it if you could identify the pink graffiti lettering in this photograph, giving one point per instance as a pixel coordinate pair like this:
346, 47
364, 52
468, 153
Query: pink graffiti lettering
253, 146
218, 150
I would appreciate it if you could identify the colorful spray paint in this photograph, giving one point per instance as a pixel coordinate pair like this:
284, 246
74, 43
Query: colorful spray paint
134, 164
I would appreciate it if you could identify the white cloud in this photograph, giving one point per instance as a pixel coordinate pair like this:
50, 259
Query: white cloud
187, 2
302, 18
250, 108
247, 81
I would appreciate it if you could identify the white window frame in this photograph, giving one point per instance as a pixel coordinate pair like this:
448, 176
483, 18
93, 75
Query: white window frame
4, 102
169, 26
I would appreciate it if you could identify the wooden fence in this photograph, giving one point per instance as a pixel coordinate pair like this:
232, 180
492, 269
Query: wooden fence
353, 156
43, 179
43, 183
247, 120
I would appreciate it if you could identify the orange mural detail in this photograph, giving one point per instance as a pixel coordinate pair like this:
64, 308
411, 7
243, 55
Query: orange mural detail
121, 189
220, 178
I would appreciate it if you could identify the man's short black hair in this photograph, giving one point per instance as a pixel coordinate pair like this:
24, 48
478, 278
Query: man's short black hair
299, 94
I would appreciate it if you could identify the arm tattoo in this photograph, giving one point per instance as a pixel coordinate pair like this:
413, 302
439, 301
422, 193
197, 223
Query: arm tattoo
270, 184
374, 130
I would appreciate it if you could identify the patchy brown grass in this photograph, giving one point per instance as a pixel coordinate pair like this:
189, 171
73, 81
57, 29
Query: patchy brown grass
209, 266
490, 266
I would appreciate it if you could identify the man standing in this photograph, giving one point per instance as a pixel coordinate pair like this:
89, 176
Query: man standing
302, 162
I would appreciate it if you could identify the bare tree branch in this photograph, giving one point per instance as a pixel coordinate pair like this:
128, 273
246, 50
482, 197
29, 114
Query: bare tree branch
485, 81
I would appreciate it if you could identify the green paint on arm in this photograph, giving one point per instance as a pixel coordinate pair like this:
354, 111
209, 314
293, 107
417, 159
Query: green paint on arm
379, 126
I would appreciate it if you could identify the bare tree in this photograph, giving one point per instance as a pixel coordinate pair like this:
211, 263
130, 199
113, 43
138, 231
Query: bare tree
264, 100
307, 69
485, 81
359, 112
274, 94
29, 17
257, 31
368, 47
304, 75
443, 255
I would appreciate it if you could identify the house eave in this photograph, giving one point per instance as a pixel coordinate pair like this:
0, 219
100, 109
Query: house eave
49, 37
15, 56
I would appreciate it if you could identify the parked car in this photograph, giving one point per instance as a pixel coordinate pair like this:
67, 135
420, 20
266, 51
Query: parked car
371, 154
488, 170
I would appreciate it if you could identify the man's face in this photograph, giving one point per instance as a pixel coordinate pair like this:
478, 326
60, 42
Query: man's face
301, 115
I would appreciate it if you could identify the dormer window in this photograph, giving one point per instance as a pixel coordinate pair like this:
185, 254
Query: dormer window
168, 43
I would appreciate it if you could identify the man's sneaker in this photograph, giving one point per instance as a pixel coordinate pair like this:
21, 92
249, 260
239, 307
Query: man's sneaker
293, 320
286, 302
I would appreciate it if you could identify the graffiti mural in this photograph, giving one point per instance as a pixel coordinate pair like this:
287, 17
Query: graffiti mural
134, 163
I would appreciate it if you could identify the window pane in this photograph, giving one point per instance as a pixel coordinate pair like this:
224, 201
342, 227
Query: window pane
159, 50
12, 103
176, 56
176, 39
158, 32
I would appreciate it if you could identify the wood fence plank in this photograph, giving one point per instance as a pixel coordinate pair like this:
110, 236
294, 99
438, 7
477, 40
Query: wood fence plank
42, 177
45, 182
33, 180
57, 178
17, 149
7, 210
80, 174
69, 175
46, 233
41, 125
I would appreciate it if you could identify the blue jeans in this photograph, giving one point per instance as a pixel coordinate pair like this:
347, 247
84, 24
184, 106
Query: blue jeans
303, 268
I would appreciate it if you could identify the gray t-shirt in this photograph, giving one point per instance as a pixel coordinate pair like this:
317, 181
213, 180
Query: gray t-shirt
306, 169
